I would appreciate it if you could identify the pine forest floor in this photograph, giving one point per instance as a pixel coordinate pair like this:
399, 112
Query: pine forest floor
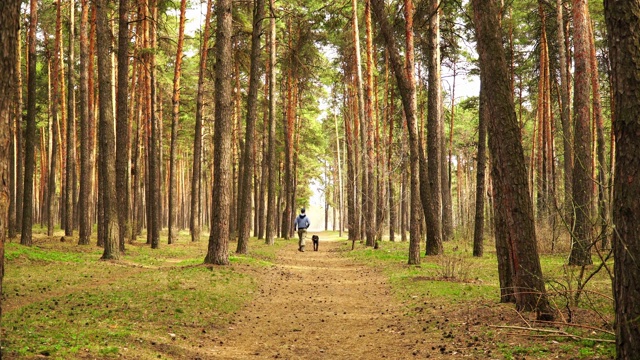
61, 302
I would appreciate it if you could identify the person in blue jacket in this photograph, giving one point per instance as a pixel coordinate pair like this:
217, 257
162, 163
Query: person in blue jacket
301, 224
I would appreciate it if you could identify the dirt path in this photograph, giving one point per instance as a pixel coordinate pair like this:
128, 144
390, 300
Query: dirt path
319, 305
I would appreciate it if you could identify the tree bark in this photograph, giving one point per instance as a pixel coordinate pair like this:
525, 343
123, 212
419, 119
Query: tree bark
623, 24
271, 158
407, 92
122, 123
218, 252
370, 120
196, 206
483, 119
175, 118
107, 136
582, 186
71, 118
602, 219
244, 222
15, 129
84, 216
565, 115
360, 122
154, 224
9, 30
433, 211
512, 202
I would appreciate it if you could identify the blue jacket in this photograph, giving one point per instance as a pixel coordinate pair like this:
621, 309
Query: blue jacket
302, 222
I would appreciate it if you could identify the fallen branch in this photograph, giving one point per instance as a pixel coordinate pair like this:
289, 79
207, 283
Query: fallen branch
576, 325
555, 332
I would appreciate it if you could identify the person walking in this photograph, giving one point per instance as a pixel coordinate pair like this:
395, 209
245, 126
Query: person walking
301, 224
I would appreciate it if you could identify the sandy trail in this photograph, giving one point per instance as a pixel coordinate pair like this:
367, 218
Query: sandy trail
319, 305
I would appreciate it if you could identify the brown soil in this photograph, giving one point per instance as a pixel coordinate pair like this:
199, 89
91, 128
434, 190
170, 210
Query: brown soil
320, 305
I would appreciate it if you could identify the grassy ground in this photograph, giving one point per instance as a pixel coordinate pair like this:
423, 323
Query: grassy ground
61, 301
458, 294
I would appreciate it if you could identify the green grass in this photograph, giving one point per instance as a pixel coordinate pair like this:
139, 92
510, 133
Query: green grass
474, 284
62, 302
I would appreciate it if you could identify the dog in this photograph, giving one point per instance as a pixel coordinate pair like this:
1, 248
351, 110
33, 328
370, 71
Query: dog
316, 242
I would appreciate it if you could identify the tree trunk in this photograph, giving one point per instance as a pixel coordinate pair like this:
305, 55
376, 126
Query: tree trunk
582, 186
175, 117
483, 119
107, 136
218, 252
71, 118
565, 115
623, 23
244, 222
154, 222
122, 123
195, 225
370, 120
15, 162
339, 166
602, 221
433, 212
9, 38
86, 184
406, 86
271, 156
19, 143
361, 121
512, 202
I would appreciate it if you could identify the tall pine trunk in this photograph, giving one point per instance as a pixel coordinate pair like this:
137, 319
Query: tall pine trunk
433, 212
218, 250
565, 115
107, 136
244, 222
86, 177
623, 23
582, 186
71, 118
483, 119
122, 122
514, 209
196, 206
406, 85
271, 158
175, 118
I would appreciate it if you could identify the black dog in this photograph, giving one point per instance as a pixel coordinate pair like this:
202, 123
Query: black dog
316, 242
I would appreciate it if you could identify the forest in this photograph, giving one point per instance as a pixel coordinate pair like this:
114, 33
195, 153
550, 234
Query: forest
488, 145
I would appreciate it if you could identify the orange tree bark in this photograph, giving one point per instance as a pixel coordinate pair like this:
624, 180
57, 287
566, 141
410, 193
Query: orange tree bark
512, 202
218, 250
623, 23
107, 136
175, 117
582, 186
408, 94
244, 222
